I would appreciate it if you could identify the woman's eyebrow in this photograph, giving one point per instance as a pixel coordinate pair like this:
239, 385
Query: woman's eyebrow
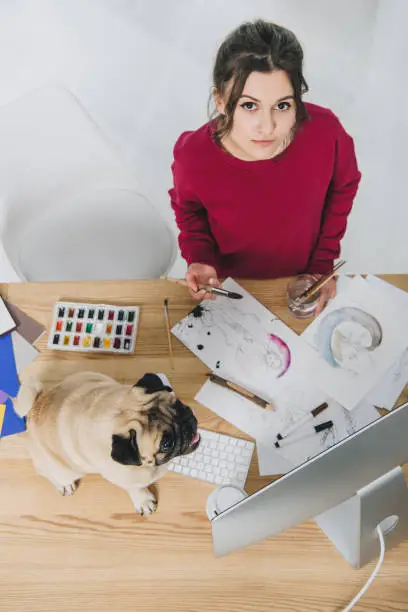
289, 96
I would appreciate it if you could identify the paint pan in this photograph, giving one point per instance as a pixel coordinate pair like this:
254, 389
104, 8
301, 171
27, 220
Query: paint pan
100, 328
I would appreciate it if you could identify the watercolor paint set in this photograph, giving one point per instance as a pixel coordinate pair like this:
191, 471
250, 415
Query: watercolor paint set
99, 328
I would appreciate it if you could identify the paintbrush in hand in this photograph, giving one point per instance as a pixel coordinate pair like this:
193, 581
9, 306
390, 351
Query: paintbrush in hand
215, 290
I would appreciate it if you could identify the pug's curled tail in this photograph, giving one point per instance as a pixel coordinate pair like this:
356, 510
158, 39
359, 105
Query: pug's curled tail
28, 393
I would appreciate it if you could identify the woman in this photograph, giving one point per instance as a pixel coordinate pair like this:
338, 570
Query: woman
265, 188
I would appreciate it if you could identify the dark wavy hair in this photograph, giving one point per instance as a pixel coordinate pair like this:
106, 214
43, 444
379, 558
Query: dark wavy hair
259, 46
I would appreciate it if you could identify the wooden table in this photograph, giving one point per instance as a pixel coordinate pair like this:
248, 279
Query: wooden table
91, 552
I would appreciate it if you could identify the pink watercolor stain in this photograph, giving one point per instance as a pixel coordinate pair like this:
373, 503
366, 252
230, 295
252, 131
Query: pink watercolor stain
284, 352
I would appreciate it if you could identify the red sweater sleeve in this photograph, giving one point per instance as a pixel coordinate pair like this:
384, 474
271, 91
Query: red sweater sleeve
339, 201
196, 242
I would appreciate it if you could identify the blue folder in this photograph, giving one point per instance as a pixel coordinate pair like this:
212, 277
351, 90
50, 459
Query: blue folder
10, 384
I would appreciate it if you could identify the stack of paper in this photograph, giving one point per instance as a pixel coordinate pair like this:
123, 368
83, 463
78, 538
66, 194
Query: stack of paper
386, 391
359, 336
353, 356
17, 332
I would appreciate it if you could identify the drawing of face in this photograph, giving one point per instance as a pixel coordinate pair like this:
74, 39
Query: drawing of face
350, 343
347, 337
264, 361
273, 360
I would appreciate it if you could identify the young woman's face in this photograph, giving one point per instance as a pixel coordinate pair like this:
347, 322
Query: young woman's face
264, 117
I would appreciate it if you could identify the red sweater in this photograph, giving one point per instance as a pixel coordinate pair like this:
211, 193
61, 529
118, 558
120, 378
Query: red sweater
269, 218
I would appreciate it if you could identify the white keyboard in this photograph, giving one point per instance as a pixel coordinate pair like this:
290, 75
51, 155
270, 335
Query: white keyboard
219, 459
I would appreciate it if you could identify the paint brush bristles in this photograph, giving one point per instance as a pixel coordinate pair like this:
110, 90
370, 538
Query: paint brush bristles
167, 320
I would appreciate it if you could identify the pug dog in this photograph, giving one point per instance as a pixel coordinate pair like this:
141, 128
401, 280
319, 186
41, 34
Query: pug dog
89, 423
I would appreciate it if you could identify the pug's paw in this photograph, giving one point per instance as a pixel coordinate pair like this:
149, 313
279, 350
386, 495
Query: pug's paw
144, 501
68, 489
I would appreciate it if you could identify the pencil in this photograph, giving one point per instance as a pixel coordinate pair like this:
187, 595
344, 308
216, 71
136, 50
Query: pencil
319, 284
218, 380
167, 319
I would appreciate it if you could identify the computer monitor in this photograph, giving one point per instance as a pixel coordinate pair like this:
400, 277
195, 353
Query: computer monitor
348, 489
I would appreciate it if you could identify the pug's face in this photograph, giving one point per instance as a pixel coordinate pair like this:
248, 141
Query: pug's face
153, 427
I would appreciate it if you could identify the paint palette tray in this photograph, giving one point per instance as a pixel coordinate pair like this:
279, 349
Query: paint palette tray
96, 328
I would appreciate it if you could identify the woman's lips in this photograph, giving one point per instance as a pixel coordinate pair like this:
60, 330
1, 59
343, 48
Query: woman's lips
263, 143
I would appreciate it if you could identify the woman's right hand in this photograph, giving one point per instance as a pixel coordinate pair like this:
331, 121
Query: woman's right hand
201, 274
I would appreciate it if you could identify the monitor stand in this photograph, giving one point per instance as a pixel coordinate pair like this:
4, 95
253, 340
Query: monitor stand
351, 525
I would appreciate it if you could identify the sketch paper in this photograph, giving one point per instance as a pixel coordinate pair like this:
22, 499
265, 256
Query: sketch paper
394, 293
292, 404
304, 445
298, 453
358, 338
236, 409
388, 389
6, 321
342, 283
246, 416
270, 462
244, 342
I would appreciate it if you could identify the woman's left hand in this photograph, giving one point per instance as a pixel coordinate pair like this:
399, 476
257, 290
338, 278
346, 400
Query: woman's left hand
328, 291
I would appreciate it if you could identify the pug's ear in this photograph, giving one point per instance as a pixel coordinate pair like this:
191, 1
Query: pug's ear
152, 383
125, 449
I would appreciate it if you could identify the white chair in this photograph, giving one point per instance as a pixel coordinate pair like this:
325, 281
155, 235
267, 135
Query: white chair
69, 208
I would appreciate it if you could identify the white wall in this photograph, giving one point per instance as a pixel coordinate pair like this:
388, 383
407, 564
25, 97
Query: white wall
142, 70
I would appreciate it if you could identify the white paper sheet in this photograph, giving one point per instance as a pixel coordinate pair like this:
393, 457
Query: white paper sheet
6, 321
244, 342
395, 293
246, 416
292, 404
358, 337
388, 389
303, 443
270, 462
343, 282
292, 400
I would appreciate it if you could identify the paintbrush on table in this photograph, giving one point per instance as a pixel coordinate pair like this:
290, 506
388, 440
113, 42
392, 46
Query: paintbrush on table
167, 320
223, 382
319, 284
215, 290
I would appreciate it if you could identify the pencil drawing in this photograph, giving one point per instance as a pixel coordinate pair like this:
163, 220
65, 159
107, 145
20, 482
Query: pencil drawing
346, 337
